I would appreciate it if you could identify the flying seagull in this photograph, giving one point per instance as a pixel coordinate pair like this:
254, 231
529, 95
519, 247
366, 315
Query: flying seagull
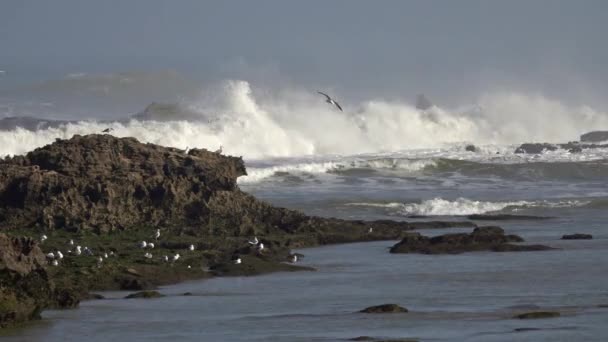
330, 100
108, 130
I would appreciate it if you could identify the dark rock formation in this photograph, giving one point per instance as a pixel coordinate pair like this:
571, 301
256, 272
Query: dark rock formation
145, 294
535, 148
481, 239
25, 288
595, 136
470, 148
577, 236
572, 147
537, 314
384, 308
103, 183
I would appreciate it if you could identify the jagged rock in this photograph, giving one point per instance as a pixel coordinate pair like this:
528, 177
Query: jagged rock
481, 239
145, 295
384, 308
537, 314
595, 136
24, 285
577, 236
536, 148
103, 183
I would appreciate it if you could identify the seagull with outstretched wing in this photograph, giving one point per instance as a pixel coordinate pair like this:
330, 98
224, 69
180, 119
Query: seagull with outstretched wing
330, 100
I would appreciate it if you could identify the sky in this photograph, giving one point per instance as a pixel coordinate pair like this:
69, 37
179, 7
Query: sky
450, 50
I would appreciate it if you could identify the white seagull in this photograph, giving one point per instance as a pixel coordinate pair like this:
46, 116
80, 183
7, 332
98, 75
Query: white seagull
371, 230
150, 245
220, 149
176, 257
42, 238
105, 255
254, 241
293, 258
166, 258
55, 263
143, 244
50, 256
78, 250
59, 255
157, 234
260, 246
148, 255
237, 261
330, 100
71, 243
191, 247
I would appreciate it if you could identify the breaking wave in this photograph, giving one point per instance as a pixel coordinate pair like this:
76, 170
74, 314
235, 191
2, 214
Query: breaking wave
464, 206
263, 123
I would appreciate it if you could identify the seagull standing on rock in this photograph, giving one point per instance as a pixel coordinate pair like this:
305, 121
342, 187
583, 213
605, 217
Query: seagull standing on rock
157, 234
254, 241
42, 238
330, 100
191, 247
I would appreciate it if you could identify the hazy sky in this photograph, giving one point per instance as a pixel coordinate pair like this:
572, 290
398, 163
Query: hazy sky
451, 50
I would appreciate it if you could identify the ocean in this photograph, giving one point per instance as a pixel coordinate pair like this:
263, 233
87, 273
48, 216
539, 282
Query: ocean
379, 159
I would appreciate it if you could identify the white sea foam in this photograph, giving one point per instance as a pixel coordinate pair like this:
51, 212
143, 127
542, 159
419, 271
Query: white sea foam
464, 206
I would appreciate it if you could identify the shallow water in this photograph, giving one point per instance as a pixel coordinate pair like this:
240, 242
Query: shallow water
468, 297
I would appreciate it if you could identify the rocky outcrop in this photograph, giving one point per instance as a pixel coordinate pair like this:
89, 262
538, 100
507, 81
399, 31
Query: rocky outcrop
145, 295
577, 236
572, 147
537, 315
595, 136
481, 239
25, 288
535, 148
384, 308
102, 183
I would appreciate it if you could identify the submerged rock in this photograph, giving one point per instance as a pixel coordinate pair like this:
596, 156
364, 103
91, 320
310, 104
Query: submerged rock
505, 217
145, 294
577, 236
537, 314
384, 308
481, 239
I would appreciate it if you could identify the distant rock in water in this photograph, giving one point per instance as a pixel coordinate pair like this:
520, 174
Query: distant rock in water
423, 103
537, 315
595, 136
481, 239
24, 285
577, 236
471, 148
572, 147
166, 112
536, 148
145, 295
384, 308
29, 123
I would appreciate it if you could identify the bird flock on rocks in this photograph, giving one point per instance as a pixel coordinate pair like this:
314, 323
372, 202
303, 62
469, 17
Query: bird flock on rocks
73, 249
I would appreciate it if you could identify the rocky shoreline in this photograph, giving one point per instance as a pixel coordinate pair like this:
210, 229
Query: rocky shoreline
88, 204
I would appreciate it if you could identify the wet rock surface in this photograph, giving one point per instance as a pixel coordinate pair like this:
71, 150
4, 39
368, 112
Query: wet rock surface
537, 315
145, 295
481, 239
577, 236
384, 308
25, 288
